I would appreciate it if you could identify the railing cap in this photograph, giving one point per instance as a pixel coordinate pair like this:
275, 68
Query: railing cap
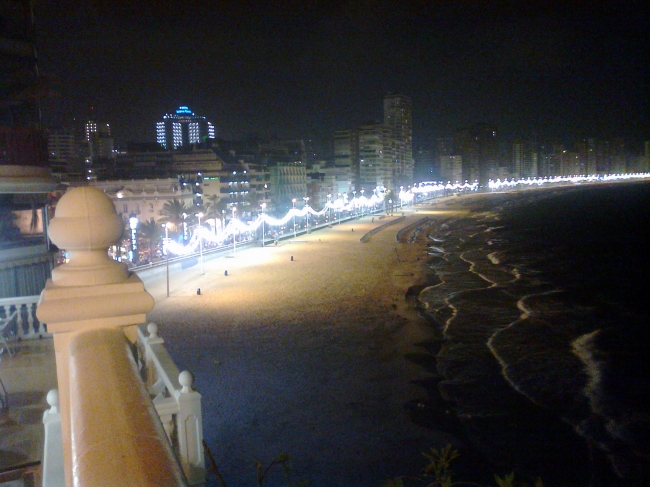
186, 379
53, 400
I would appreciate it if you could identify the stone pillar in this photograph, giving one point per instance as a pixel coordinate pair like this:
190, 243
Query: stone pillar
91, 291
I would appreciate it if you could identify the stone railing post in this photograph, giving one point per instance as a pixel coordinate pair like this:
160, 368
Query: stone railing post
150, 367
190, 430
53, 475
90, 292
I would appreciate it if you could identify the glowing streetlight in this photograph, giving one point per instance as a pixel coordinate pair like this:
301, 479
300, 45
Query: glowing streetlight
166, 252
340, 209
200, 215
293, 201
234, 234
362, 191
263, 205
133, 225
329, 208
306, 198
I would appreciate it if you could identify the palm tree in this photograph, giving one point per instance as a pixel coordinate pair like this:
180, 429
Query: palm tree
151, 232
213, 208
173, 212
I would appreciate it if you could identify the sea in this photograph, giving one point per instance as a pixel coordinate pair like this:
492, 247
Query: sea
541, 302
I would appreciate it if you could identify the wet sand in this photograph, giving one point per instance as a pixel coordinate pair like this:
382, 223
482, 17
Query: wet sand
307, 356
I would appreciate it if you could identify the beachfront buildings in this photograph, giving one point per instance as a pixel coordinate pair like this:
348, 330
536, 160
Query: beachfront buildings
183, 129
379, 154
398, 119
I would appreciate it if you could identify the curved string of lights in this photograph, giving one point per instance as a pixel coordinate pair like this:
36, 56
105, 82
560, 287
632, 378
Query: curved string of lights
236, 226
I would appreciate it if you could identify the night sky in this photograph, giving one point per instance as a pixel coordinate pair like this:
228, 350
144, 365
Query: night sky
306, 68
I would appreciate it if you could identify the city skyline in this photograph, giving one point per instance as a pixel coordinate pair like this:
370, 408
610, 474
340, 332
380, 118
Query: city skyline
306, 70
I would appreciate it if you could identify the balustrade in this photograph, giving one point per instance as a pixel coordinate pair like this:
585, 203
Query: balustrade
109, 430
177, 404
27, 325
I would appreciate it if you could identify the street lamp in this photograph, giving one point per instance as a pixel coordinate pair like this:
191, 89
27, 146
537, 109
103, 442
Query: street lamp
166, 251
293, 201
184, 227
354, 202
306, 198
263, 205
234, 235
341, 203
362, 191
133, 225
329, 208
200, 215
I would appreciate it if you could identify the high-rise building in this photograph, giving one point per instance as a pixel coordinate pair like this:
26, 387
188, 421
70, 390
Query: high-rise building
183, 129
376, 154
524, 159
101, 149
398, 111
478, 144
65, 159
451, 168
426, 165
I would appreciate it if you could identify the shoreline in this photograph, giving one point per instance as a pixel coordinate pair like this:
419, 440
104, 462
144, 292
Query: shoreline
322, 350
305, 355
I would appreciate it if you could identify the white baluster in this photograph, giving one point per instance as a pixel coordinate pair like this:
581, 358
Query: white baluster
53, 474
153, 338
189, 423
30, 320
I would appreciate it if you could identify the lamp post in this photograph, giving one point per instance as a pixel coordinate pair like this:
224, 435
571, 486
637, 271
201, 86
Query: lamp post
234, 234
263, 205
354, 202
200, 215
133, 225
340, 208
306, 198
401, 201
329, 208
184, 228
223, 220
293, 201
166, 251
362, 191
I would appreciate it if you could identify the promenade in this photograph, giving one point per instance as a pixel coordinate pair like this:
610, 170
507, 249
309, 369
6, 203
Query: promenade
306, 355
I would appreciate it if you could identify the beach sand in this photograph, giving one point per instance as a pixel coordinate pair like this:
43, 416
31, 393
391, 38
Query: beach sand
301, 349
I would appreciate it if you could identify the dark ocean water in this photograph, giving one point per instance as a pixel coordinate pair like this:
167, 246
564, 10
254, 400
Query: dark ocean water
543, 306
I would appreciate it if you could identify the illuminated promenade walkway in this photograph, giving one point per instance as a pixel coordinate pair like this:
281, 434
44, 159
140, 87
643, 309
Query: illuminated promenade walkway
305, 356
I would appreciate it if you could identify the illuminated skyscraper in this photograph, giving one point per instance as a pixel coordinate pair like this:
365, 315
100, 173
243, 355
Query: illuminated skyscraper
398, 119
183, 129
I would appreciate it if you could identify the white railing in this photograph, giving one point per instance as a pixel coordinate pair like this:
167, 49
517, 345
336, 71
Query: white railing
178, 406
27, 326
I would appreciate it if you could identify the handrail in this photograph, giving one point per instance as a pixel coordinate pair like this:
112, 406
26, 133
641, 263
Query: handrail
116, 436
